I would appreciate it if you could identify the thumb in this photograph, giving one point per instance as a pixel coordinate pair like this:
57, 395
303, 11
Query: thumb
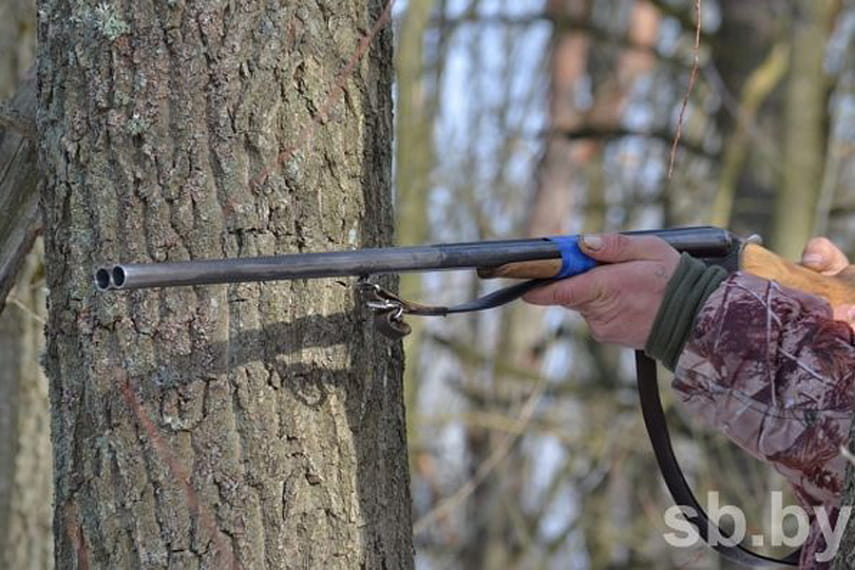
823, 256
614, 248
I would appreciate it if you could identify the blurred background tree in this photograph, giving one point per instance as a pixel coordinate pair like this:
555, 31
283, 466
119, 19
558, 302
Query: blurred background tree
25, 455
558, 116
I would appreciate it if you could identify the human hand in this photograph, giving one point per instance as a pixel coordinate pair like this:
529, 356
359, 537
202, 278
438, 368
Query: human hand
826, 258
618, 300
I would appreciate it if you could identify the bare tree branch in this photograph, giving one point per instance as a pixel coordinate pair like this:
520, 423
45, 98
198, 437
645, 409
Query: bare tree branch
692, 78
615, 132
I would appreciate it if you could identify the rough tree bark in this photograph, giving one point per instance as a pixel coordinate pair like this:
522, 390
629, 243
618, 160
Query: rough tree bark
252, 426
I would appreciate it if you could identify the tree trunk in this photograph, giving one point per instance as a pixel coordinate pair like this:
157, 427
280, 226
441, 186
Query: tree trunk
805, 128
740, 52
254, 425
25, 458
17, 43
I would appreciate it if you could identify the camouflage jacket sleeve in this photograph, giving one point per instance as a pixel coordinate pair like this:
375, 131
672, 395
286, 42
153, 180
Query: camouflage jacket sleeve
769, 367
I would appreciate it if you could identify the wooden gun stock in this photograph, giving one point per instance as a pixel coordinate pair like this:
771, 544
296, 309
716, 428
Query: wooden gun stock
535, 269
837, 290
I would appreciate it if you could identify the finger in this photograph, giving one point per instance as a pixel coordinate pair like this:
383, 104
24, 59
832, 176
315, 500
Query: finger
823, 256
546, 295
575, 291
613, 248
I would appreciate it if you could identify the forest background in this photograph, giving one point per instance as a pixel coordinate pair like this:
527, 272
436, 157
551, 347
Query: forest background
529, 118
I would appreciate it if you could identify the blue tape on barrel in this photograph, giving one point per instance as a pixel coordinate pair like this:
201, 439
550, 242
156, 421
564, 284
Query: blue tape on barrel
573, 261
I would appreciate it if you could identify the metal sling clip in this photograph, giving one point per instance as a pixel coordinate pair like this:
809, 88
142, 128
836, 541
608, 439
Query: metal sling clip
388, 309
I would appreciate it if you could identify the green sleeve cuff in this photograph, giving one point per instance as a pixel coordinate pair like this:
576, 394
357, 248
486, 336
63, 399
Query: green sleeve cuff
685, 294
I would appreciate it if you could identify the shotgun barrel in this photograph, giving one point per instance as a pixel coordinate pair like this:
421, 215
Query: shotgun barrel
700, 241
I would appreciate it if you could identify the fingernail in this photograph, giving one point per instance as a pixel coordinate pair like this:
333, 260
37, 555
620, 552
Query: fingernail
592, 242
812, 259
